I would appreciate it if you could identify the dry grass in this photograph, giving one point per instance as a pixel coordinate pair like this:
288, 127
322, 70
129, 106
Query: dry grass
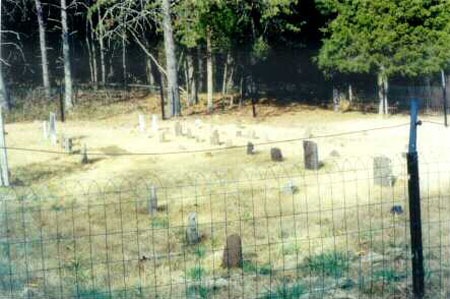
71, 231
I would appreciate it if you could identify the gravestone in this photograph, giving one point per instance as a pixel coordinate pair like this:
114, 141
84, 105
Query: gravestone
310, 155
45, 129
198, 123
52, 126
382, 171
68, 144
142, 125
229, 143
215, 139
232, 254
189, 133
155, 125
276, 155
250, 148
238, 133
162, 136
152, 205
253, 134
84, 157
178, 129
192, 233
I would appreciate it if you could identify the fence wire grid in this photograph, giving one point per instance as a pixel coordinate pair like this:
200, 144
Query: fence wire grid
311, 234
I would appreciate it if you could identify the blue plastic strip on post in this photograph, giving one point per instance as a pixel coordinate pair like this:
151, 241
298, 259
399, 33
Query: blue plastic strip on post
415, 105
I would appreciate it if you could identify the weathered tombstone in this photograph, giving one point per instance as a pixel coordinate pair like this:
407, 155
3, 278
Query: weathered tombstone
68, 144
155, 126
229, 143
310, 155
192, 233
198, 123
253, 134
250, 148
238, 133
335, 154
162, 136
215, 139
276, 155
84, 158
142, 125
152, 205
232, 254
382, 171
53, 136
45, 129
178, 129
189, 133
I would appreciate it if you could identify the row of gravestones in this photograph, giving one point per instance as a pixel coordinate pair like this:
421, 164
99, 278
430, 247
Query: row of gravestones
310, 149
66, 143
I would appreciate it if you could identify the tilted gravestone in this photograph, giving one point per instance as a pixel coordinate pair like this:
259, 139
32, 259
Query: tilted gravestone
155, 125
276, 155
192, 233
382, 171
178, 129
152, 204
232, 254
310, 155
142, 125
250, 148
215, 139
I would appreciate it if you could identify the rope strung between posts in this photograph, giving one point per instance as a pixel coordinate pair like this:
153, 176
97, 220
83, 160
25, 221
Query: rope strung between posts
206, 150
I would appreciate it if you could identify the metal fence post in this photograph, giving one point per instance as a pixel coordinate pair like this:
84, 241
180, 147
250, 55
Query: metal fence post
444, 92
414, 205
4, 153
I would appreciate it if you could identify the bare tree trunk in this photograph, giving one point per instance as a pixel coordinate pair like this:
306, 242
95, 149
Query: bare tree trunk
91, 64
336, 99
124, 61
200, 70
43, 46
230, 77
172, 75
382, 93
350, 93
225, 74
93, 54
4, 97
209, 69
102, 49
193, 95
149, 72
66, 53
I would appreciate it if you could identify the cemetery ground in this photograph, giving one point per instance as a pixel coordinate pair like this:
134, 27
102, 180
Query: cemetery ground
88, 230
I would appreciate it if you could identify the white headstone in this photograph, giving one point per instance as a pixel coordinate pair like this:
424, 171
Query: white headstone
45, 129
155, 126
142, 126
198, 123
52, 125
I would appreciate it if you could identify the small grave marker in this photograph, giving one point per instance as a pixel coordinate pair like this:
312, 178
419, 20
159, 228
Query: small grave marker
215, 138
68, 144
142, 125
53, 134
84, 158
45, 129
310, 155
189, 133
276, 155
238, 133
152, 205
382, 171
250, 149
162, 136
178, 129
192, 233
155, 125
232, 254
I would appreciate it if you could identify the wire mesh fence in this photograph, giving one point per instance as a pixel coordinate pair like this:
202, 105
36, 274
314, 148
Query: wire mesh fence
280, 232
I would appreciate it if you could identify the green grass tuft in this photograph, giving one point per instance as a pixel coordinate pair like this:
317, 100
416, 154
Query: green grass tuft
287, 292
329, 264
